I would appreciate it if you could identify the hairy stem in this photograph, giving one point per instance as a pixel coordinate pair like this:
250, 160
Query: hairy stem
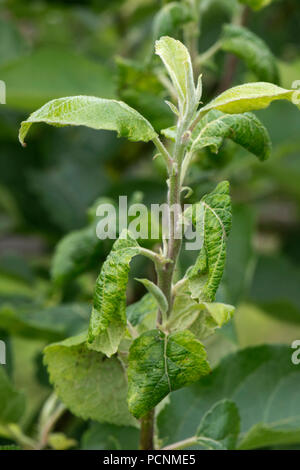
147, 431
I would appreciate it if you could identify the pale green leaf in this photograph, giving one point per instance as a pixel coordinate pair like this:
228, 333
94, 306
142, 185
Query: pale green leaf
213, 213
89, 384
243, 129
108, 319
170, 18
160, 364
137, 312
177, 61
264, 384
252, 50
220, 426
12, 401
59, 441
256, 4
248, 97
97, 113
202, 318
154, 290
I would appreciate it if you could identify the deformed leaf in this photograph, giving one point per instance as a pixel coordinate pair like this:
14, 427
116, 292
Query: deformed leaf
89, 384
215, 214
248, 97
177, 61
142, 314
244, 129
256, 4
97, 113
252, 50
220, 426
160, 364
12, 402
202, 318
108, 319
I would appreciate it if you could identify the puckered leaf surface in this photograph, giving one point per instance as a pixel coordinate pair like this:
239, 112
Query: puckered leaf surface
89, 384
243, 129
252, 50
108, 319
160, 364
214, 215
97, 113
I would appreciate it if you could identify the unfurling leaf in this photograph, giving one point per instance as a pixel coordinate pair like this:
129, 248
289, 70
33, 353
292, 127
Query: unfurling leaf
108, 319
248, 97
93, 112
214, 210
243, 129
220, 426
89, 384
252, 50
138, 312
160, 364
159, 296
256, 4
202, 318
177, 61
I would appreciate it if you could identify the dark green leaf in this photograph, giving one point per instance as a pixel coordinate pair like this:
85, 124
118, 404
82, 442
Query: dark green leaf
12, 402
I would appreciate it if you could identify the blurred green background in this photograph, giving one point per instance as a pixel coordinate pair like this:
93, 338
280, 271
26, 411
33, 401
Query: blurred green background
50, 49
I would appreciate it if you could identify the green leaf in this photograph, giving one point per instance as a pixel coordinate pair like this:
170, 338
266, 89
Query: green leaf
74, 254
12, 402
213, 213
154, 290
33, 80
160, 364
89, 384
252, 50
170, 18
59, 441
110, 437
243, 129
177, 61
108, 320
248, 97
97, 113
220, 426
262, 381
137, 313
202, 319
256, 4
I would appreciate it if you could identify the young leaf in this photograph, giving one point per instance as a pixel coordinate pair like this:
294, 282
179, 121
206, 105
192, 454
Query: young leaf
215, 213
248, 97
89, 384
157, 294
170, 18
220, 426
108, 319
160, 364
177, 61
136, 313
252, 50
93, 112
244, 129
202, 319
12, 402
256, 4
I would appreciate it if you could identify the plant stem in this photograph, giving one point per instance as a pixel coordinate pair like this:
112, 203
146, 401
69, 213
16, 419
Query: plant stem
182, 444
147, 431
